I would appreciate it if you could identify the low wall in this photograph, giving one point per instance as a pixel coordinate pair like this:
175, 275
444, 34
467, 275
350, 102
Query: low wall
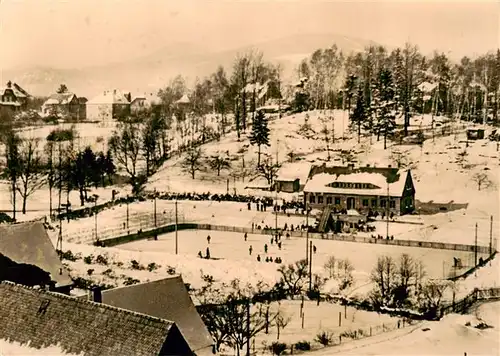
113, 241
346, 238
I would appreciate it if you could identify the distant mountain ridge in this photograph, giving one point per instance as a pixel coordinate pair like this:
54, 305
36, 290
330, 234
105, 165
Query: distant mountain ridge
152, 71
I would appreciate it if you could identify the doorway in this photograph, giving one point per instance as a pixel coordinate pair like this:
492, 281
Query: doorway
350, 203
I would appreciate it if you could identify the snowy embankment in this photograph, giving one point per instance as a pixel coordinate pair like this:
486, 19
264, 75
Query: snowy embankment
453, 335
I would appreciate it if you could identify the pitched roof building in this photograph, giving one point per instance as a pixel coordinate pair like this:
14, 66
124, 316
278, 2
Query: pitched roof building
167, 299
29, 243
14, 97
65, 105
43, 319
364, 188
108, 106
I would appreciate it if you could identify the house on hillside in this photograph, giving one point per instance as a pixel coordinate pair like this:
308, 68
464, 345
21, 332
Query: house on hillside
13, 97
292, 177
28, 244
363, 189
41, 319
65, 105
166, 299
109, 106
143, 102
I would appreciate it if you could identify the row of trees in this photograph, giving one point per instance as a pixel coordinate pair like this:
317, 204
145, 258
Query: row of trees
249, 84
58, 165
402, 283
422, 84
235, 313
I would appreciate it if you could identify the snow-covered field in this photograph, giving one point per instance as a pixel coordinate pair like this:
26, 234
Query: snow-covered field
323, 317
453, 335
231, 248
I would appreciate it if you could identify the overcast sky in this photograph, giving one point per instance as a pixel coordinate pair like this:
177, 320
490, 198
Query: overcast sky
65, 34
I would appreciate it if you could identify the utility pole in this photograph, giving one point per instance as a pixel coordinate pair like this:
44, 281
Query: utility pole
387, 210
248, 327
475, 248
128, 229
491, 235
154, 203
176, 239
310, 264
95, 218
307, 231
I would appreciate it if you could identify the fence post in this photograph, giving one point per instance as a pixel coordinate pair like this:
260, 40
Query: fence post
370, 331
340, 318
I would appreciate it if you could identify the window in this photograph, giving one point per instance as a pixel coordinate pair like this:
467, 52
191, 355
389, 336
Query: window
382, 203
365, 202
358, 186
337, 201
320, 199
374, 203
312, 199
328, 200
392, 204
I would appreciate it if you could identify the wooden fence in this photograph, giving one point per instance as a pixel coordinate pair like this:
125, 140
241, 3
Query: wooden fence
463, 305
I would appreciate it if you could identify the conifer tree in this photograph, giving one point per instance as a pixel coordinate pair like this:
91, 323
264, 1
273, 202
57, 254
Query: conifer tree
385, 109
358, 116
260, 133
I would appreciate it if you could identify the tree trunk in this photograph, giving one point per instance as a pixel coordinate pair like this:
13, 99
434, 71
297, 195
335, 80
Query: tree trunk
14, 198
258, 157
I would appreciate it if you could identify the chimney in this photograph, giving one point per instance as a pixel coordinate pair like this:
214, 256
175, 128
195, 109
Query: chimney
9, 84
350, 166
96, 294
367, 166
114, 91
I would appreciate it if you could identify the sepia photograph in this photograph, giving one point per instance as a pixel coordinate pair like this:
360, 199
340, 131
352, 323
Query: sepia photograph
249, 177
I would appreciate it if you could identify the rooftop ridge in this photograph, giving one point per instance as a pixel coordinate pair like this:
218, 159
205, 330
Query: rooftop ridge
89, 302
176, 276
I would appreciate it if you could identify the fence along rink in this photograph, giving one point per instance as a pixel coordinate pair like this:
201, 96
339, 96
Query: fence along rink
146, 220
118, 226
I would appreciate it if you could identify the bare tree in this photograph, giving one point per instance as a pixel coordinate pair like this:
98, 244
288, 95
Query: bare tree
268, 170
12, 167
51, 170
384, 276
432, 296
345, 269
399, 158
294, 277
219, 162
192, 162
482, 180
406, 279
125, 144
31, 173
330, 266
281, 321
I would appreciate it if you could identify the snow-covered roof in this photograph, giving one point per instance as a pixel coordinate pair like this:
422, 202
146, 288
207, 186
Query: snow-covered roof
320, 183
59, 99
427, 87
292, 171
183, 100
16, 89
111, 97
